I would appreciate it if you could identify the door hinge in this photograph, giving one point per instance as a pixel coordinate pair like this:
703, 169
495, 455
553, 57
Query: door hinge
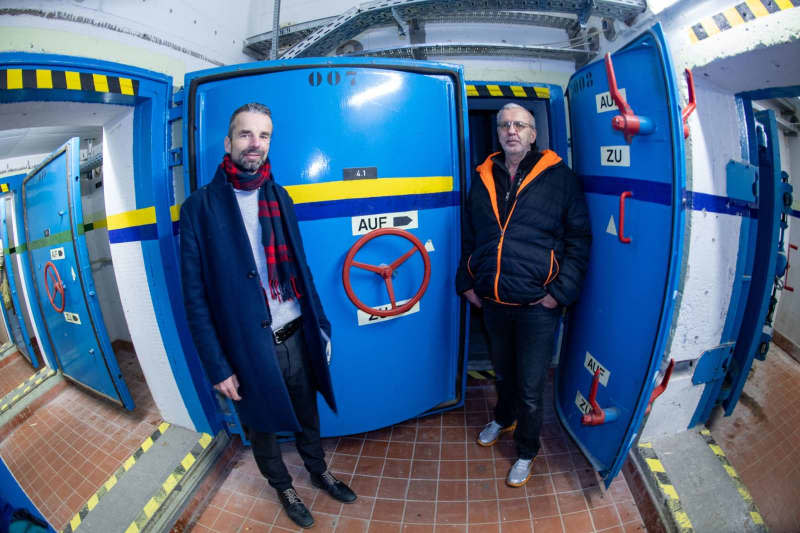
176, 107
713, 364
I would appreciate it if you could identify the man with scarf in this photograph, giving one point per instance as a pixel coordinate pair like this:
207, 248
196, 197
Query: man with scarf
253, 311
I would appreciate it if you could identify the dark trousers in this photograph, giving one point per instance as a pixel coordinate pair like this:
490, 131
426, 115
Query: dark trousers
293, 361
521, 341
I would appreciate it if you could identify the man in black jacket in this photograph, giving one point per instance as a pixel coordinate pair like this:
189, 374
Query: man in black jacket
524, 256
253, 311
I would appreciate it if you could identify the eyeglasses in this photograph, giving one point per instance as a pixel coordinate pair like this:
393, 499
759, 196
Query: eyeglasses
519, 126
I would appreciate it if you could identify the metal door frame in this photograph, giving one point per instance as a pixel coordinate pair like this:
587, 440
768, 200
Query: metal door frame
152, 180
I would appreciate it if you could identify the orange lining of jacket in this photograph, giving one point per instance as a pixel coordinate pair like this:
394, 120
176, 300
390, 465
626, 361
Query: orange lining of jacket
549, 158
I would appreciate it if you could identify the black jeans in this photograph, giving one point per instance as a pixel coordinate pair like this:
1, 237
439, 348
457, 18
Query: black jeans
521, 341
293, 361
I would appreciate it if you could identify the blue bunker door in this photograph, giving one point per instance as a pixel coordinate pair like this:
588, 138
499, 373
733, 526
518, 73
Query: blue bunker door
16, 322
618, 329
362, 145
61, 275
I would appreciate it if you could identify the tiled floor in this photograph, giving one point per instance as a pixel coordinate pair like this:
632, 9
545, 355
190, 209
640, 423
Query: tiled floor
429, 475
13, 372
762, 439
69, 447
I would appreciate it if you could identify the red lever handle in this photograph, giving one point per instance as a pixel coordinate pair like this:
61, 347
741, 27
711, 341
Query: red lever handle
788, 266
691, 105
658, 391
627, 121
597, 416
622, 238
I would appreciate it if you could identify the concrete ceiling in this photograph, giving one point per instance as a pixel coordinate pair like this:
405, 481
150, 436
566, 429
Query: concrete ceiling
30, 128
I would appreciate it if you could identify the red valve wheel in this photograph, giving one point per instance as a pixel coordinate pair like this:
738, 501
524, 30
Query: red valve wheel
58, 286
386, 272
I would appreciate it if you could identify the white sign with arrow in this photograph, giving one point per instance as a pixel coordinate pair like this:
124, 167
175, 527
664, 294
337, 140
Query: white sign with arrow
404, 220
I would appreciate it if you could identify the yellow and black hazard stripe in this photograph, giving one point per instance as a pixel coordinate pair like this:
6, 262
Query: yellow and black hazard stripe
80, 516
739, 14
17, 78
8, 401
507, 91
169, 485
758, 520
668, 493
481, 374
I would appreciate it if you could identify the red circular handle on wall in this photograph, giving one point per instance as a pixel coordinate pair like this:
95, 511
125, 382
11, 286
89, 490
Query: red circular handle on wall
58, 285
386, 271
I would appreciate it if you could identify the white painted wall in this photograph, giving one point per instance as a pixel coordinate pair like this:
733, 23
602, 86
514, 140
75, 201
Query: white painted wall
131, 275
162, 35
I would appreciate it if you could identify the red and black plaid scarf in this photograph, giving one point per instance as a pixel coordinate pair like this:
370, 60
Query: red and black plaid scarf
281, 268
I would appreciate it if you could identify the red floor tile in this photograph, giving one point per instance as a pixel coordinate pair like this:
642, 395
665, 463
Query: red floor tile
429, 476
14, 371
762, 439
71, 445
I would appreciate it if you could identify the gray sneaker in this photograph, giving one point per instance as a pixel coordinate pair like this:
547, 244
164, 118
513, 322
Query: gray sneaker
492, 431
520, 473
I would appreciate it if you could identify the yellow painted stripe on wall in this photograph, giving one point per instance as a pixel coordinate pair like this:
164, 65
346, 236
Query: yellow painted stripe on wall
784, 4
139, 217
710, 26
757, 8
733, 17
44, 79
73, 80
175, 212
494, 90
516, 90
370, 188
100, 83
693, 37
126, 86
542, 92
14, 78
471, 90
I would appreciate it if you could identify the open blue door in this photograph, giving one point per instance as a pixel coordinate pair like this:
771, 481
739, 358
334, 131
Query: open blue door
16, 323
362, 145
774, 200
619, 327
61, 275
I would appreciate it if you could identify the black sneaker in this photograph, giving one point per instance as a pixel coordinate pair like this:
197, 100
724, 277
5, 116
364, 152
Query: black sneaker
295, 508
337, 489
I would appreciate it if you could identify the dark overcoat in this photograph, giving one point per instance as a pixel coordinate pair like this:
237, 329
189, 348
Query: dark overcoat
228, 316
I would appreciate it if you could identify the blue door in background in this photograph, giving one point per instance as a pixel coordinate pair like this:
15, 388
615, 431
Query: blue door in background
61, 276
362, 145
620, 325
18, 331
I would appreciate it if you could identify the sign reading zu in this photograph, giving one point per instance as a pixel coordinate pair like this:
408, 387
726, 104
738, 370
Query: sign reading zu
615, 156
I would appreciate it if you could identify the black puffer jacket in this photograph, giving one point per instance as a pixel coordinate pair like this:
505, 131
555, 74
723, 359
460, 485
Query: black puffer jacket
524, 240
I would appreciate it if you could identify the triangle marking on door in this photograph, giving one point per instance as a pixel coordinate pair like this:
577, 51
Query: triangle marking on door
611, 228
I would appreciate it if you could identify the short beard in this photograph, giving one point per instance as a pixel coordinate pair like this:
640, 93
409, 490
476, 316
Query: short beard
249, 166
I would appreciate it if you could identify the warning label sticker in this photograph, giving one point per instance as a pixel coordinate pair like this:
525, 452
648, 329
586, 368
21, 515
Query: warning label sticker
72, 318
57, 253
